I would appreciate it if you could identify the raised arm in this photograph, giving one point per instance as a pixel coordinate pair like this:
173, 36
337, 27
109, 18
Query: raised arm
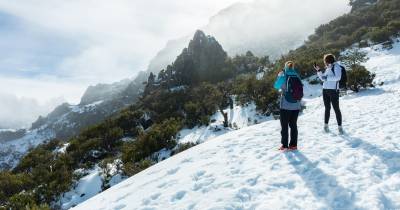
280, 80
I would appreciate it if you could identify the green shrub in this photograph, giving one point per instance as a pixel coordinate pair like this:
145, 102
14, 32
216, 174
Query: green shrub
378, 35
131, 169
193, 114
160, 136
22, 201
11, 184
248, 89
359, 77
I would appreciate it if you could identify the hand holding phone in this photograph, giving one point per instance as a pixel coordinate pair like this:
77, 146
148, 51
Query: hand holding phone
316, 67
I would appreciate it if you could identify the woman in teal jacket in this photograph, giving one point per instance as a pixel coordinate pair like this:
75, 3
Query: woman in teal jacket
289, 111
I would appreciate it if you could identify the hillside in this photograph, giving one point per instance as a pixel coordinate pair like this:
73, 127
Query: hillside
244, 170
186, 95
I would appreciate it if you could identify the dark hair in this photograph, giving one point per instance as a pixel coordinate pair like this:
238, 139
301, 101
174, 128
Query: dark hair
329, 58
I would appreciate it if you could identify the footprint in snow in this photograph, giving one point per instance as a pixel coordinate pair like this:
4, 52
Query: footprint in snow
119, 207
123, 197
153, 197
173, 171
198, 175
162, 185
167, 184
204, 185
244, 195
235, 171
178, 196
288, 184
275, 166
253, 181
191, 206
187, 160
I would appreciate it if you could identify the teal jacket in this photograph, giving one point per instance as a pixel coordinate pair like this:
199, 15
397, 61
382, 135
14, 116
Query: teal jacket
280, 84
282, 79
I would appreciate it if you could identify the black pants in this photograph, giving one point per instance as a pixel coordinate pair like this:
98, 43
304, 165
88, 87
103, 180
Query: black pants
332, 97
289, 119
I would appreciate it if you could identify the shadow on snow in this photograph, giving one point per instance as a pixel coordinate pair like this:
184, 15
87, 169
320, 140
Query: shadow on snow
390, 158
323, 186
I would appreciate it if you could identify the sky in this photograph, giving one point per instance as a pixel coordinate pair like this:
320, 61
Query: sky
51, 50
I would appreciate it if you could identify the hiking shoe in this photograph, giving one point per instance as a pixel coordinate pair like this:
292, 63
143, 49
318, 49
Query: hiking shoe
341, 131
292, 148
283, 149
326, 128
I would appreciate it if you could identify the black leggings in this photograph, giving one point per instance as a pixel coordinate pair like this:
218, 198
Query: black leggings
289, 119
332, 97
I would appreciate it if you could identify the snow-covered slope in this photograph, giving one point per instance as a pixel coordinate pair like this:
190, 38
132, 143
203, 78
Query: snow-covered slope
12, 151
243, 169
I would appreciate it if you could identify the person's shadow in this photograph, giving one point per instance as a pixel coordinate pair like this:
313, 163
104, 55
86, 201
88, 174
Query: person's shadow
389, 158
323, 186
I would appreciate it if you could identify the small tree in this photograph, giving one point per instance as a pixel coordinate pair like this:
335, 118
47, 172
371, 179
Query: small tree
224, 89
354, 57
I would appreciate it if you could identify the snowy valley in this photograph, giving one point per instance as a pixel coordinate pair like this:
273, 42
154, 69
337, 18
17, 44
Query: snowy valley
66, 120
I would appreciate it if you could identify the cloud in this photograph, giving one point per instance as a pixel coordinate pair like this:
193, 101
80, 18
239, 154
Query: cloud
20, 112
117, 36
19, 107
56, 48
272, 27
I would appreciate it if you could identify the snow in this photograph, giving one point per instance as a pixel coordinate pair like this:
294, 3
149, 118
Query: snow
239, 117
63, 149
162, 154
87, 187
91, 183
12, 151
242, 169
116, 179
85, 108
177, 88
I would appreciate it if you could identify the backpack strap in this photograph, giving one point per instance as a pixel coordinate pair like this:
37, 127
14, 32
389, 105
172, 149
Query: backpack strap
286, 80
334, 74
